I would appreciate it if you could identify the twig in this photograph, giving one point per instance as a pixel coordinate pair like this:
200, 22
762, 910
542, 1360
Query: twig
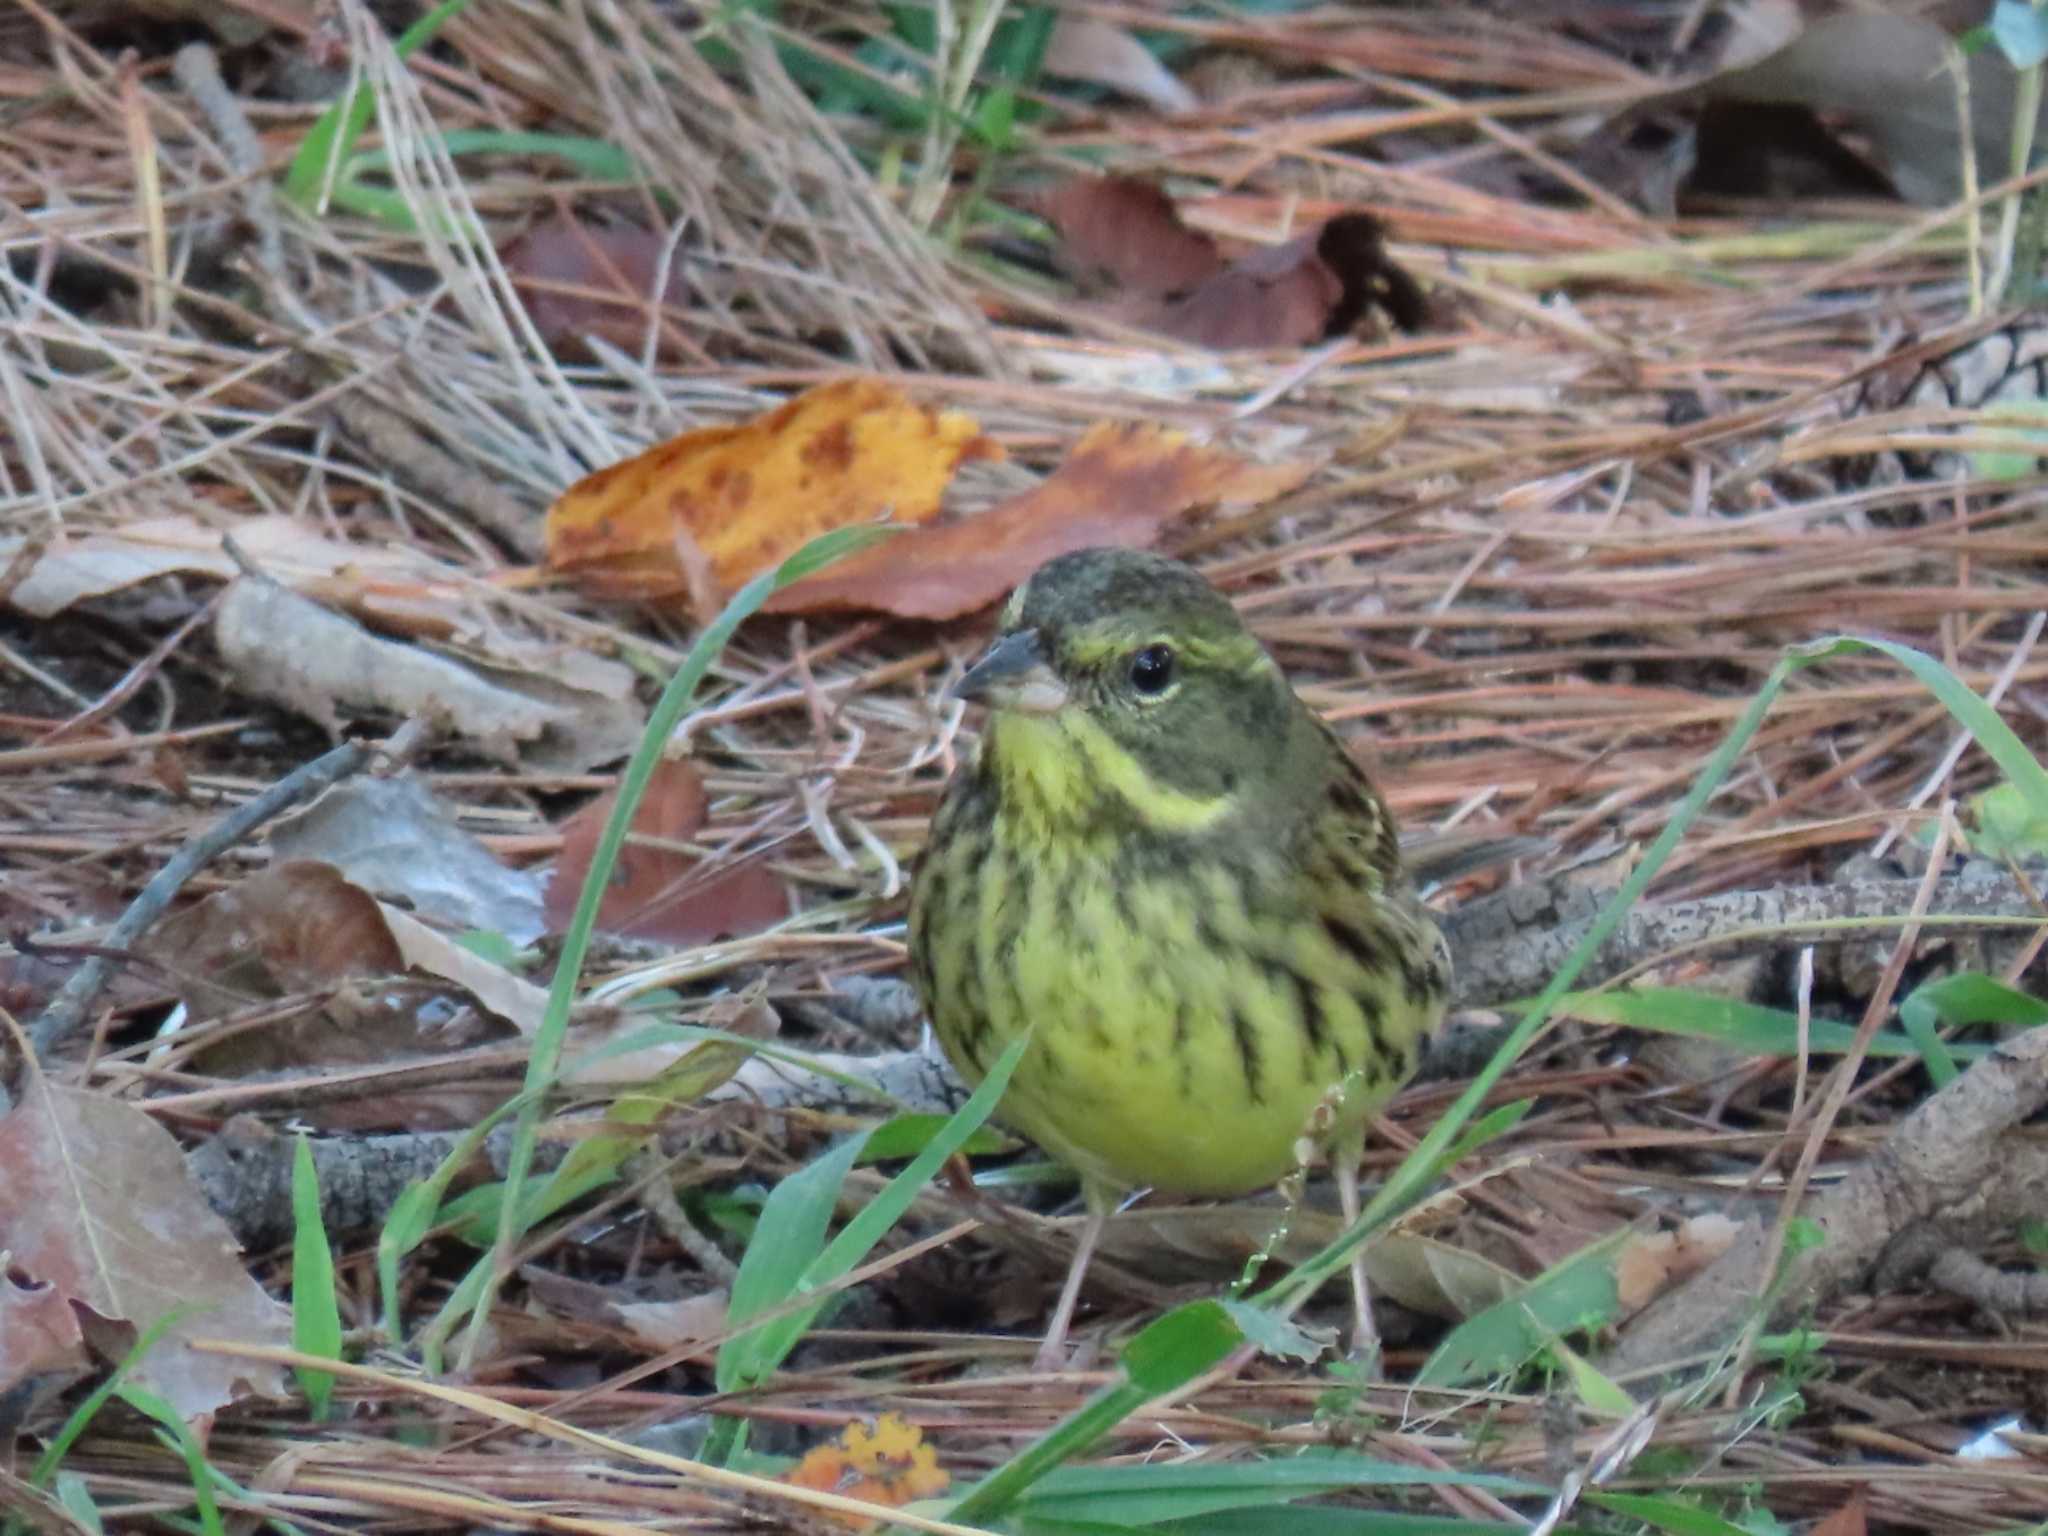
69, 1006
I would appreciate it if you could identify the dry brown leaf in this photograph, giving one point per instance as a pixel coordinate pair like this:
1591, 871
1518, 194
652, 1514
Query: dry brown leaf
301, 929
702, 513
1886, 79
97, 1204
580, 279
42, 1349
394, 839
290, 649
1127, 232
1179, 282
1083, 48
1847, 1520
654, 892
1122, 485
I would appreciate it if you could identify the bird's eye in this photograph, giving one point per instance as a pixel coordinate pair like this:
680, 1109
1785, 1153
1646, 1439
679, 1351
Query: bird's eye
1152, 670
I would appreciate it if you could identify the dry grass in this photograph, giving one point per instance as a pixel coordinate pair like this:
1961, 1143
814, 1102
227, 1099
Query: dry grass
1535, 601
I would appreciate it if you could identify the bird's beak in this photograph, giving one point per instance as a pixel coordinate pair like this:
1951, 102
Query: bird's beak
1015, 674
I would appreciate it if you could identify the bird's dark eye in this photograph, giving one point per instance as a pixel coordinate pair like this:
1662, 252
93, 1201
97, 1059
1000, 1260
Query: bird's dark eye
1152, 669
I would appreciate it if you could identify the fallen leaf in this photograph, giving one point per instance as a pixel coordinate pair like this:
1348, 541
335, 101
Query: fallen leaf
580, 279
1083, 48
664, 1325
1179, 282
1127, 232
42, 1350
292, 651
1885, 78
655, 890
394, 839
1122, 485
73, 570
97, 1204
302, 929
1848, 1519
889, 1463
702, 513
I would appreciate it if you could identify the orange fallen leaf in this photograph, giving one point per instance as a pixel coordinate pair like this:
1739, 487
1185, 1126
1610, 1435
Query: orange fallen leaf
654, 891
702, 513
889, 1463
1122, 485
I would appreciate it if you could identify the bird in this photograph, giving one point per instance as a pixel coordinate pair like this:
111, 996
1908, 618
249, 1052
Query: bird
1167, 867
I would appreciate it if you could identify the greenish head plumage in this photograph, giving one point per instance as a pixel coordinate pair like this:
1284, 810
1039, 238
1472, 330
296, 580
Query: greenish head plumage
1119, 650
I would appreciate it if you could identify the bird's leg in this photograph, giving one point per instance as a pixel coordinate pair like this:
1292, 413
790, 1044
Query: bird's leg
1347, 1151
1052, 1354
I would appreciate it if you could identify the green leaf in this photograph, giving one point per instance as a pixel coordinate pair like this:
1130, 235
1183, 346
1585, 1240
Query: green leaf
1598, 1392
76, 1500
2004, 826
316, 1316
749, 1358
1997, 739
1667, 1514
906, 1135
1147, 1495
81, 1417
1171, 1351
1961, 1001
788, 1238
1578, 1292
1273, 1335
180, 1435
333, 137
1730, 1021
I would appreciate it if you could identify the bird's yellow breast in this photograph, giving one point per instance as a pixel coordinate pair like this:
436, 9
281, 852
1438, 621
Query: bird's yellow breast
1193, 997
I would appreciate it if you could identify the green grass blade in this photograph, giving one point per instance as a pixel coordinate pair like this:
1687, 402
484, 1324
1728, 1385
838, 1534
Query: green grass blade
667, 714
2020, 767
188, 1446
1666, 1514
333, 136
1729, 1021
756, 1354
316, 1316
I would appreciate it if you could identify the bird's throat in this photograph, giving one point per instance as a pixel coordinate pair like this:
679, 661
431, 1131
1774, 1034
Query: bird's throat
1065, 771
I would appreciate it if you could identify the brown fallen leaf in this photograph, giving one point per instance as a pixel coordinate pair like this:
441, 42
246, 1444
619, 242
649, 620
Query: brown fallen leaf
1122, 485
702, 513
1178, 281
295, 652
300, 930
98, 1205
1848, 1519
654, 891
579, 279
1126, 232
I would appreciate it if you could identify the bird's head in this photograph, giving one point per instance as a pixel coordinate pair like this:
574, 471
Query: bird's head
1128, 671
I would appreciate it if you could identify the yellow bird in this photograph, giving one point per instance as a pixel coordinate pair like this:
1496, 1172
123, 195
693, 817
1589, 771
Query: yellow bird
1165, 864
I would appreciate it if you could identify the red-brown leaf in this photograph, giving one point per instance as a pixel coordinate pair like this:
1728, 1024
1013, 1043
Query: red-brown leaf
656, 892
1122, 485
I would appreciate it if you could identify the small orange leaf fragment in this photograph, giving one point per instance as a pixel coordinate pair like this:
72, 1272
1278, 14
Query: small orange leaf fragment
1122, 485
888, 1463
701, 514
